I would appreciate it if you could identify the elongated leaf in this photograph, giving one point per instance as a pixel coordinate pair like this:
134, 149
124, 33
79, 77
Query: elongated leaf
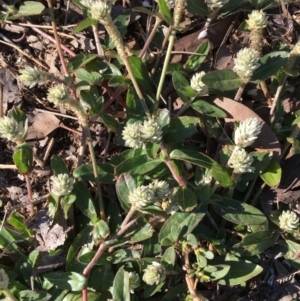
125, 184
237, 212
269, 65
66, 280
128, 154
80, 60
182, 87
34, 296
121, 291
140, 73
169, 258
206, 108
23, 158
180, 129
109, 121
84, 201
192, 157
105, 172
194, 62
222, 80
164, 11
73, 296
272, 174
183, 221
138, 166
58, 166
222, 175
28, 8
197, 7
187, 199
84, 24
144, 10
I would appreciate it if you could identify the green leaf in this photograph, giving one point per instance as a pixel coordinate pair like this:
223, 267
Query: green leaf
193, 157
138, 166
128, 154
23, 158
183, 221
123, 255
28, 8
164, 11
91, 296
84, 201
230, 6
269, 65
163, 119
121, 291
272, 174
34, 296
256, 243
125, 184
66, 280
58, 166
109, 121
80, 60
194, 61
92, 100
222, 80
187, 199
141, 73
182, 87
142, 234
118, 80
169, 258
84, 24
208, 109
237, 212
66, 202
222, 175
100, 231
101, 278
197, 7
180, 128
18, 222
105, 172
240, 270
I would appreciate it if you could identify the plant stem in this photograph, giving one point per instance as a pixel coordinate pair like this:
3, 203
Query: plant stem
239, 92
53, 23
118, 41
9, 295
278, 93
94, 164
97, 40
29, 191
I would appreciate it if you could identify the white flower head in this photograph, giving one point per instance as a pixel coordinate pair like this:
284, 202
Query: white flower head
33, 76
142, 196
154, 273
246, 62
151, 131
134, 281
98, 9
132, 135
257, 20
197, 84
288, 220
240, 161
62, 184
11, 129
247, 132
161, 190
58, 94
215, 4
4, 280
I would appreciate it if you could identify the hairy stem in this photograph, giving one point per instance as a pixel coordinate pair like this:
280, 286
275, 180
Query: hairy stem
97, 40
239, 92
278, 93
29, 191
9, 295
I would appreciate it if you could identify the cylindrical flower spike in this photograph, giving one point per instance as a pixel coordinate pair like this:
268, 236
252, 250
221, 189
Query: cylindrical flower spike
197, 84
33, 76
58, 95
134, 281
161, 190
240, 161
154, 273
4, 280
132, 135
288, 220
11, 129
292, 59
151, 131
246, 62
247, 132
257, 20
62, 184
215, 4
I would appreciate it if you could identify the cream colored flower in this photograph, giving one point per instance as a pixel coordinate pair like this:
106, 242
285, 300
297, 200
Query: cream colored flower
142, 196
215, 4
11, 129
132, 135
4, 280
154, 273
62, 184
257, 20
247, 132
240, 161
288, 220
134, 281
98, 9
33, 76
197, 84
161, 190
59, 94
151, 131
246, 62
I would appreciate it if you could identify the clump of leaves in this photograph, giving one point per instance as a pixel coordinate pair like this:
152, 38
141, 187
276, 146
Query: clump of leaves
182, 219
